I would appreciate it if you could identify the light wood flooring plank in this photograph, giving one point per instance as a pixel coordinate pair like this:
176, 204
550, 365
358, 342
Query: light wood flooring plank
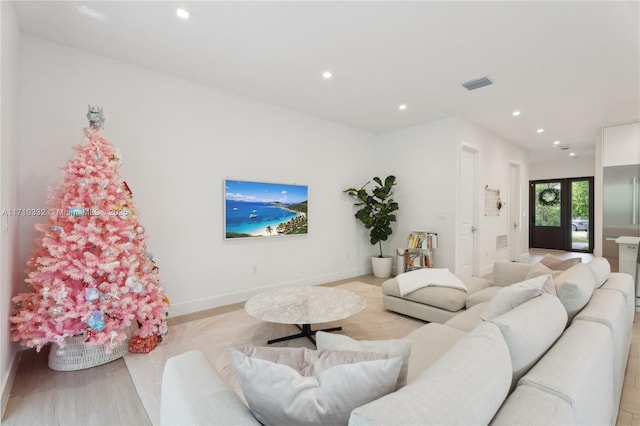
102, 395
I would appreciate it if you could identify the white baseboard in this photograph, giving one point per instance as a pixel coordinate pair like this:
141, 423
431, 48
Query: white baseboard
8, 385
190, 307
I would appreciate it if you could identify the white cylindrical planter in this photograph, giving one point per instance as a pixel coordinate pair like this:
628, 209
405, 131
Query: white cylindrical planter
382, 266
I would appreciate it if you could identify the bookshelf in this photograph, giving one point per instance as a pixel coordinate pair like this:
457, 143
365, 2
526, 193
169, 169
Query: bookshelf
418, 252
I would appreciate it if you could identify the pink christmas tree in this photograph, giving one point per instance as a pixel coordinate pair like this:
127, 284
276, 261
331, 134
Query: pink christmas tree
91, 273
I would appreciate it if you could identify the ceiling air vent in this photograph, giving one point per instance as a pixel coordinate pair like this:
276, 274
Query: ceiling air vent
478, 83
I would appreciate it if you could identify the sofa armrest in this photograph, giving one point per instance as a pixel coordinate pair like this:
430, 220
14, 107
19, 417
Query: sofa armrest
194, 393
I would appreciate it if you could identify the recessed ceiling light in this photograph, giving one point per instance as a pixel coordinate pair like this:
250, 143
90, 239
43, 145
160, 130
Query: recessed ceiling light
572, 154
540, 130
556, 142
515, 113
327, 75
402, 107
182, 13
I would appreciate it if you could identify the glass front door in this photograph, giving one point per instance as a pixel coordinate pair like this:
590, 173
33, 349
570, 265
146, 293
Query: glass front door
561, 214
547, 230
581, 214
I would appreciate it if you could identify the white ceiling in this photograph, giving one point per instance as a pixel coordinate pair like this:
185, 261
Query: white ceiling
569, 67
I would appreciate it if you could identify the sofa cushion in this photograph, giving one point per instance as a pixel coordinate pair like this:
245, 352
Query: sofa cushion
539, 269
469, 319
304, 387
395, 347
557, 263
192, 389
601, 270
578, 368
482, 296
450, 299
609, 308
530, 329
475, 284
513, 295
465, 386
507, 273
529, 405
428, 344
574, 288
623, 284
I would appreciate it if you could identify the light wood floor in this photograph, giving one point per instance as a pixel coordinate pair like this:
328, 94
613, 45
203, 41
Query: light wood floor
105, 395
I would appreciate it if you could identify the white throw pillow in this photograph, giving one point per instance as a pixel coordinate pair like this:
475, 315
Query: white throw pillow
395, 347
539, 269
305, 387
574, 288
601, 270
515, 294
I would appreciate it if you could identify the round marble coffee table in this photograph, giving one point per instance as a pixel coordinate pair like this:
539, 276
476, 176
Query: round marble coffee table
304, 306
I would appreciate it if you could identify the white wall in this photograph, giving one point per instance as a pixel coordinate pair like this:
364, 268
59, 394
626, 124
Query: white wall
424, 159
9, 265
494, 158
560, 169
179, 141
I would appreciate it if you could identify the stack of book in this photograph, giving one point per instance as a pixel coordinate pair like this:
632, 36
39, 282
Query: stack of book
419, 250
422, 240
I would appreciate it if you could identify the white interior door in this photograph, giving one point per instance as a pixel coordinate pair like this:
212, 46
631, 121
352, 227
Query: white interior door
467, 253
514, 203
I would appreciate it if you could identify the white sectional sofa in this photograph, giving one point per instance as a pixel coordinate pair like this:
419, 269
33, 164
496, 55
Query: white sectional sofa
554, 359
439, 304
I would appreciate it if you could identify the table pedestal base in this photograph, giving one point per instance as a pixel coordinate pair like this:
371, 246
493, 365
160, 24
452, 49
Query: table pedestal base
306, 331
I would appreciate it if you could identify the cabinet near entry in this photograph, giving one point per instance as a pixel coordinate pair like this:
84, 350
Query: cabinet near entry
621, 145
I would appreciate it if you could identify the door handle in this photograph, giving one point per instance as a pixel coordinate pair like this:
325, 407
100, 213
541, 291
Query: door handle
473, 228
515, 225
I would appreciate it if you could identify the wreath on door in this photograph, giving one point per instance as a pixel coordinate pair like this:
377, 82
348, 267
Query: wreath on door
549, 197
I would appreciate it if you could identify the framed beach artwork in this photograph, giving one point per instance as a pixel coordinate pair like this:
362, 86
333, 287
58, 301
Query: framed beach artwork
260, 209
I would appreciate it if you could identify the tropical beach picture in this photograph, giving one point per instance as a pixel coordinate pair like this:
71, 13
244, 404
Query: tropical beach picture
258, 209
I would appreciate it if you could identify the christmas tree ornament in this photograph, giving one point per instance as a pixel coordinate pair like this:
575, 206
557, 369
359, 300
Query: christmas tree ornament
96, 321
91, 294
132, 281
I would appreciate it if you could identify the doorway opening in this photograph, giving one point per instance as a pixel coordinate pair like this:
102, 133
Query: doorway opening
561, 212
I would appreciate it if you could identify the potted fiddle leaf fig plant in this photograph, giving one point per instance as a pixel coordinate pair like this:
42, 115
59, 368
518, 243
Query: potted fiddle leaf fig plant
376, 212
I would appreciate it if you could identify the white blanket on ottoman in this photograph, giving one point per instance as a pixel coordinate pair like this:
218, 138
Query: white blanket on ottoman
441, 277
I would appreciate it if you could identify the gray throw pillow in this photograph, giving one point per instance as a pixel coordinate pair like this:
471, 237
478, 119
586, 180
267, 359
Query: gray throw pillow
300, 386
395, 347
559, 264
